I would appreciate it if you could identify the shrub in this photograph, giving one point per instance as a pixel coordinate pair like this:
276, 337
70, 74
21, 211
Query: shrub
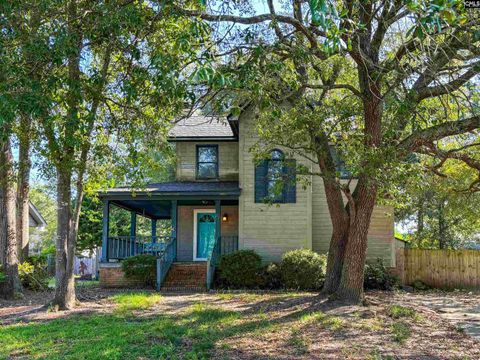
420, 285
141, 267
271, 276
303, 269
3, 277
376, 276
33, 275
240, 269
38, 260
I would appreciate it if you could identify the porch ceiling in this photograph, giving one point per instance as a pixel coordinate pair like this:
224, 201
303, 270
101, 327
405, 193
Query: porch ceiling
154, 209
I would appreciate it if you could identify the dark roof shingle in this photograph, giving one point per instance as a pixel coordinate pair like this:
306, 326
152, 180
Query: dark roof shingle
186, 187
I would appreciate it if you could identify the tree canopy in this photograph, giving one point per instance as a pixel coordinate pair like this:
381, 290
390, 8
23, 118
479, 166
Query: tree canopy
380, 80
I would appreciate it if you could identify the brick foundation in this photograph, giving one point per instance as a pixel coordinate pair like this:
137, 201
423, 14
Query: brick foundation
111, 275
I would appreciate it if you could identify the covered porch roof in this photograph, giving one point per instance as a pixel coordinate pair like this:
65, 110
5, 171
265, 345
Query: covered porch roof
155, 200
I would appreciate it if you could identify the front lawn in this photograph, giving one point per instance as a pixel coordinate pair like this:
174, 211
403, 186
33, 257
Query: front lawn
146, 325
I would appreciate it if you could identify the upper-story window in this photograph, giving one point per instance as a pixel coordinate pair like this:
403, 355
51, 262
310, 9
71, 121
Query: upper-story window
207, 162
275, 179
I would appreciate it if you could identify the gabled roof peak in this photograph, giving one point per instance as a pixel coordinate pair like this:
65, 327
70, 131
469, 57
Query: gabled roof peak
202, 127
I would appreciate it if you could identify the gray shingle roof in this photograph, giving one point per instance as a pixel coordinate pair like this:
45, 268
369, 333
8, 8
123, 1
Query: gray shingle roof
198, 126
183, 187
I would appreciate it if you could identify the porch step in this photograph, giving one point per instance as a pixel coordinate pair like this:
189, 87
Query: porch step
186, 277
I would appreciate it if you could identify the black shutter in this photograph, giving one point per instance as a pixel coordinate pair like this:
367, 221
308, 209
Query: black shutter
290, 184
261, 181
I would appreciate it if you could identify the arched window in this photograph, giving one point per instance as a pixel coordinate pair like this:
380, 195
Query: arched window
275, 179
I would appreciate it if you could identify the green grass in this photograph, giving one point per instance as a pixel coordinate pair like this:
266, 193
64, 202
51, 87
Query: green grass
298, 342
398, 312
401, 332
87, 283
200, 331
190, 335
330, 322
129, 302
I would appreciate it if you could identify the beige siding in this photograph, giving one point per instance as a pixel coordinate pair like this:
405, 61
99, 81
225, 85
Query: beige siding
227, 156
185, 228
380, 236
381, 242
270, 230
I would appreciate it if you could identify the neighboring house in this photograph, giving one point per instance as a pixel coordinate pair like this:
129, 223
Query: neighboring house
217, 205
401, 243
37, 224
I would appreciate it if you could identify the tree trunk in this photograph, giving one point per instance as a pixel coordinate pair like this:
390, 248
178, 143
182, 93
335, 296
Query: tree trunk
3, 226
7, 223
362, 202
337, 211
350, 288
23, 189
65, 285
338, 240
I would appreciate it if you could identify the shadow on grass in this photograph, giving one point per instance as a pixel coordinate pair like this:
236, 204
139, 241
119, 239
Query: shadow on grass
192, 334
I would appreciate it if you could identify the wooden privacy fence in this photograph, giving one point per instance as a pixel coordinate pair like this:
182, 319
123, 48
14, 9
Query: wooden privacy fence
447, 269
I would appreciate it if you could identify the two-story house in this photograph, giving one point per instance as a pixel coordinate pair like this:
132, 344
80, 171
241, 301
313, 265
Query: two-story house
217, 205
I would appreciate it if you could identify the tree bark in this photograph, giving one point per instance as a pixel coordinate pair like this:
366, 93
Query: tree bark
338, 241
350, 288
23, 189
65, 285
362, 201
8, 224
65, 242
3, 226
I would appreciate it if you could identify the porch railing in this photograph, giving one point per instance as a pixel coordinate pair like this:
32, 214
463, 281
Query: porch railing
165, 260
121, 247
226, 245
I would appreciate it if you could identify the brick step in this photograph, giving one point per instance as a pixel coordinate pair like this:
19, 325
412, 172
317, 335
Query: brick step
177, 284
183, 289
186, 277
187, 273
185, 281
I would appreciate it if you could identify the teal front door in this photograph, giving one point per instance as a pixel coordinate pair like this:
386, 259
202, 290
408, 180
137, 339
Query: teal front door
205, 231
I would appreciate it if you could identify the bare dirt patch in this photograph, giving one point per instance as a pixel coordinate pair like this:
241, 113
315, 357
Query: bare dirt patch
287, 325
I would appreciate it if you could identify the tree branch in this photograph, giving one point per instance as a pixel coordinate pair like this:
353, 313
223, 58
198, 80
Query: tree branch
257, 19
438, 132
427, 92
335, 86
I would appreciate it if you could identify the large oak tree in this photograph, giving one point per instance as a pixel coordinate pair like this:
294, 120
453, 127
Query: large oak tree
380, 80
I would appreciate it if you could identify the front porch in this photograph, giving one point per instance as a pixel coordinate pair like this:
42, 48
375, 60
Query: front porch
197, 222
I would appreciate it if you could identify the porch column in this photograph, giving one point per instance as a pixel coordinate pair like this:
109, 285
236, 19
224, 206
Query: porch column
154, 230
173, 216
133, 232
218, 224
105, 230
